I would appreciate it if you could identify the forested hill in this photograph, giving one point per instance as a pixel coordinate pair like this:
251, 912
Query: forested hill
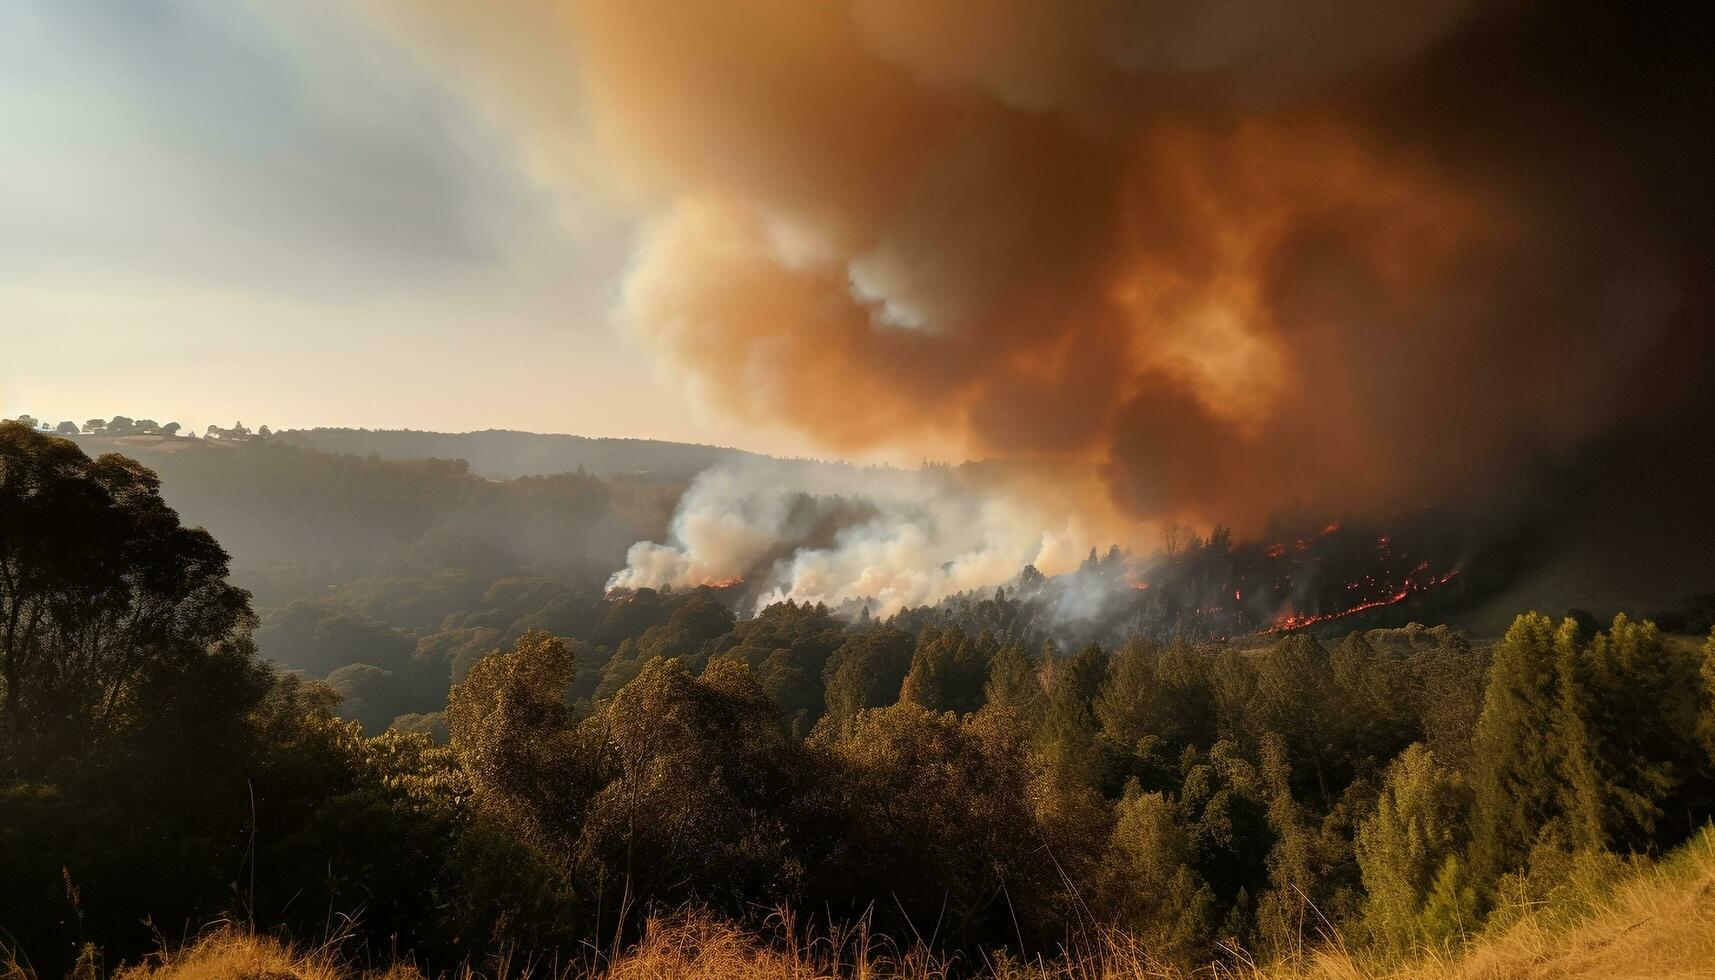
1204, 805
503, 454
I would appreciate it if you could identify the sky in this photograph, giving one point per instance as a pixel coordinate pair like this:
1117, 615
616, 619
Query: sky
281, 213
1233, 258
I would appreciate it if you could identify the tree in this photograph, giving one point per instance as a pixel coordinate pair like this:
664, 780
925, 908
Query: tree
95, 425
1516, 769
1149, 882
867, 671
941, 826
66, 428
171, 428
1295, 696
1013, 686
701, 791
1629, 734
948, 670
1410, 851
1157, 692
102, 591
511, 729
1069, 726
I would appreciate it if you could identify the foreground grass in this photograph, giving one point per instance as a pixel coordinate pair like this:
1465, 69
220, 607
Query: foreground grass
1656, 922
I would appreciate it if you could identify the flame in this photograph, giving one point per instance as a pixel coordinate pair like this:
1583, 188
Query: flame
1412, 586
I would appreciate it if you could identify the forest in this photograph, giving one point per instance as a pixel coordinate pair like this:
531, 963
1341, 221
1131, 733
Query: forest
459, 770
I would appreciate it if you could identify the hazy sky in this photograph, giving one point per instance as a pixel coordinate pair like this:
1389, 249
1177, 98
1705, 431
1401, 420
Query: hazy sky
214, 210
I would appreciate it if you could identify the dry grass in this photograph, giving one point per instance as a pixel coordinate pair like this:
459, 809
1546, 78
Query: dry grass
1657, 923
235, 955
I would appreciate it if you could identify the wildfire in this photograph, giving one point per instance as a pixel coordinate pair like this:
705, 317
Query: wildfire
725, 583
1412, 586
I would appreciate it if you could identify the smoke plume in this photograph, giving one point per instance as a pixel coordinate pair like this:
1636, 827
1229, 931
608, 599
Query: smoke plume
881, 538
1229, 257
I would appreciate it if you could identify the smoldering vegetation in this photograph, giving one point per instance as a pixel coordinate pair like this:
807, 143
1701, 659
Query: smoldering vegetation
876, 542
851, 536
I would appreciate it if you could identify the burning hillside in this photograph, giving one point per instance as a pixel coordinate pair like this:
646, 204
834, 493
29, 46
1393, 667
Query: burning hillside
1221, 261
885, 541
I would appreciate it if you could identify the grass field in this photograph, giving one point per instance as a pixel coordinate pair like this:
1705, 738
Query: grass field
1655, 922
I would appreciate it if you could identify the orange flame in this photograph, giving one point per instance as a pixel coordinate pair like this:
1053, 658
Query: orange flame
1292, 621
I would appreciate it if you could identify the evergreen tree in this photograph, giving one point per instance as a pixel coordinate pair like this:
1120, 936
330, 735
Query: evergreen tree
1639, 724
1515, 769
1069, 725
949, 670
1013, 685
867, 671
1148, 882
1409, 852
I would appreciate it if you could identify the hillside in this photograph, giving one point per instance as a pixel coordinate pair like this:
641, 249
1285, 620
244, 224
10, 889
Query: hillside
502, 454
534, 767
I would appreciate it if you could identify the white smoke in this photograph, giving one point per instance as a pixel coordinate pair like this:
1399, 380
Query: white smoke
850, 537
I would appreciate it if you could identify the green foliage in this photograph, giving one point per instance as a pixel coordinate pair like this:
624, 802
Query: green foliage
700, 787
1638, 720
1515, 764
949, 670
649, 749
788, 646
103, 593
1410, 851
1014, 685
941, 815
1148, 880
1582, 746
867, 671
511, 729
1069, 726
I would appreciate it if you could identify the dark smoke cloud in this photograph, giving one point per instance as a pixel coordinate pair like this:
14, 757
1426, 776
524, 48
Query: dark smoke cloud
1234, 256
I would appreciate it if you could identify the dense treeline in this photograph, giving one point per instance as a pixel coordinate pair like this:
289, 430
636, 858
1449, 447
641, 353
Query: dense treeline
1401, 786
297, 509
385, 578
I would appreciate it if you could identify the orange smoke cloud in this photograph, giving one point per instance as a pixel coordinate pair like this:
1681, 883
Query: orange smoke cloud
1180, 243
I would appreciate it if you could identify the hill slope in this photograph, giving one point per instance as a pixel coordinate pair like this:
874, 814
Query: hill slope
502, 454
